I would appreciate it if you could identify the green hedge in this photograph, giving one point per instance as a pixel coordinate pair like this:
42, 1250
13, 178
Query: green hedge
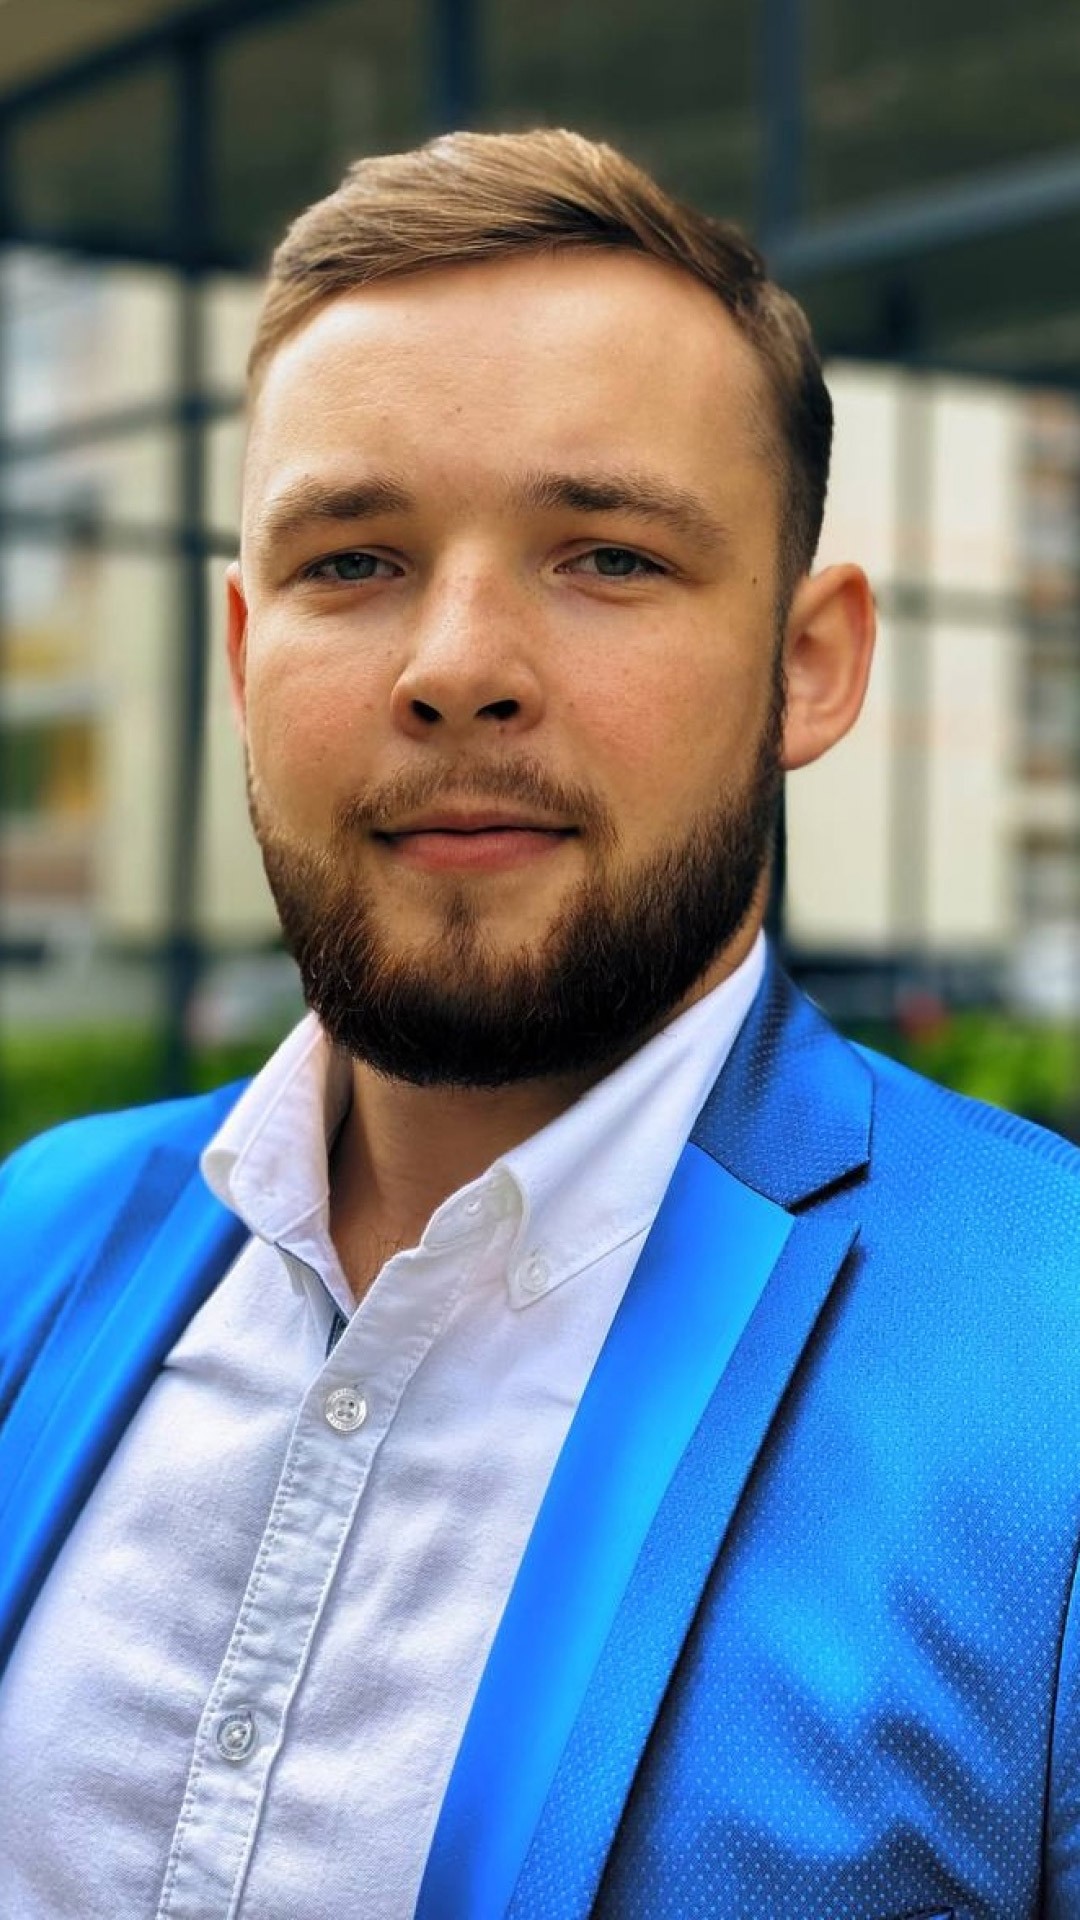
46, 1077
1030, 1068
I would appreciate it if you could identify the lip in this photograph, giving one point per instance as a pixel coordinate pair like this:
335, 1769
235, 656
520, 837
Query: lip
489, 820
473, 843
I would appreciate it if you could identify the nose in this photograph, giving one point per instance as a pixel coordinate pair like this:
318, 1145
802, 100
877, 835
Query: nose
471, 663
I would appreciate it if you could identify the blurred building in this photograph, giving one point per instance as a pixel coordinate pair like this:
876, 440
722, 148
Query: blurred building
944, 832
913, 174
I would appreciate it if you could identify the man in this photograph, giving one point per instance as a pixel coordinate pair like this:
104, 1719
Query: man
588, 1441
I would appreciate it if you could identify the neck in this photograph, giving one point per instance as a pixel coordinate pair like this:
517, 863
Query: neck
404, 1149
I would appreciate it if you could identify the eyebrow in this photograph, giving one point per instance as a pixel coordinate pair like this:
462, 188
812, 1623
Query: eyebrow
311, 502
642, 495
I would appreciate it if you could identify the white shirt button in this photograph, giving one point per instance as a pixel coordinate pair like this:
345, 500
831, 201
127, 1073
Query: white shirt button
345, 1409
534, 1274
236, 1734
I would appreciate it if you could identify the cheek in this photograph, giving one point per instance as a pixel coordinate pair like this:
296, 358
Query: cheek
669, 740
307, 730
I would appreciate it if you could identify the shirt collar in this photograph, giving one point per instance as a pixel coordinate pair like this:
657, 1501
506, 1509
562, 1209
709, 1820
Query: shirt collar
269, 1161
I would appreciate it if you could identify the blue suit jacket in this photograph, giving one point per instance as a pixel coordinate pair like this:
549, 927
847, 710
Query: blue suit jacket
791, 1636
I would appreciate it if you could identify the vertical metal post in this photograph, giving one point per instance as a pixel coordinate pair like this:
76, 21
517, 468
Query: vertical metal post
783, 119
183, 955
455, 92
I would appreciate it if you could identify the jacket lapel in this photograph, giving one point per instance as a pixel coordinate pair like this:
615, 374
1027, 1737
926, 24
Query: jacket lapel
165, 1250
565, 1862
720, 1306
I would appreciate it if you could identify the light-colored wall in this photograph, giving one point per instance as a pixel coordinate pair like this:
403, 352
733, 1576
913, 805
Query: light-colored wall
904, 834
138, 654
136, 651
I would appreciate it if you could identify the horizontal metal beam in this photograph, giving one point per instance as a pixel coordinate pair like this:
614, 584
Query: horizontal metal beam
949, 360
118, 423
116, 249
903, 226
100, 535
118, 56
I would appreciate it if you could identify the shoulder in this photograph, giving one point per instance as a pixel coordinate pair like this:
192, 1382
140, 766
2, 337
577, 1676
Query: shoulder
999, 1185
906, 1101
84, 1160
64, 1194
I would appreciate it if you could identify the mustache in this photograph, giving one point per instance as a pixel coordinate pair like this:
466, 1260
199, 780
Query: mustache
374, 809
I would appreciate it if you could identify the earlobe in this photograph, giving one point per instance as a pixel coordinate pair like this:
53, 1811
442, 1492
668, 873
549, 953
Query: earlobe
237, 617
828, 647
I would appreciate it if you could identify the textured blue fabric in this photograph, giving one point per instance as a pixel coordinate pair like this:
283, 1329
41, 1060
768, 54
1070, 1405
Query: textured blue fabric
843, 1679
711, 1250
857, 1721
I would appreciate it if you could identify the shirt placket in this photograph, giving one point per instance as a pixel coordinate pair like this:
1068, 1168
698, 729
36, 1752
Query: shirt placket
341, 1423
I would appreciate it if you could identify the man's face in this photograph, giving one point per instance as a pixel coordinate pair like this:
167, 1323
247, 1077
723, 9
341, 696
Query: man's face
505, 652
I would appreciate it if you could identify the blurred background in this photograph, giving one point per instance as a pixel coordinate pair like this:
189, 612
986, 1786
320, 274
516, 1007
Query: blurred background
913, 174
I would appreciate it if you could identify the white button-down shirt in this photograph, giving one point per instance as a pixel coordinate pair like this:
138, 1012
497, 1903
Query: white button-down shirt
242, 1689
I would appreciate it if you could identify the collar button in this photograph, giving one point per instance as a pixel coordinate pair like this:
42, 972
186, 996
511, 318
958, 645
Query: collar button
534, 1274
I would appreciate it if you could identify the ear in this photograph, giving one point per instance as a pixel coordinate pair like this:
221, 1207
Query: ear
237, 616
828, 646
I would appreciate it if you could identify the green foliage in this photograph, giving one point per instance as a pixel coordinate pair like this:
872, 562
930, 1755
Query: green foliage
1029, 1068
50, 1076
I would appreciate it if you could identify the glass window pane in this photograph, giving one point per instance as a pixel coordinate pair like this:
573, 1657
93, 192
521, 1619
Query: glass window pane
96, 169
224, 465
908, 96
232, 303
627, 78
1004, 304
82, 339
87, 720
958, 787
294, 100
130, 480
86, 731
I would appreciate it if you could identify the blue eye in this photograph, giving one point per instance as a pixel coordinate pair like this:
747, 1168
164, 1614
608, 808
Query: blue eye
347, 568
618, 563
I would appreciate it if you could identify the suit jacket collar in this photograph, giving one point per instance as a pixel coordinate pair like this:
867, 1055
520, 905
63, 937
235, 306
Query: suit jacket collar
790, 1115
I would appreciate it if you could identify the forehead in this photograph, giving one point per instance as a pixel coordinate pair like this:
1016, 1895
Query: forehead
555, 358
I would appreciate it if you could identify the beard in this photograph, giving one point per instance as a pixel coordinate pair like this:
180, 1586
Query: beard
624, 950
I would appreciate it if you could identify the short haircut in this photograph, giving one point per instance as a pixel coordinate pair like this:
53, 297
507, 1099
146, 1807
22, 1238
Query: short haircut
478, 196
